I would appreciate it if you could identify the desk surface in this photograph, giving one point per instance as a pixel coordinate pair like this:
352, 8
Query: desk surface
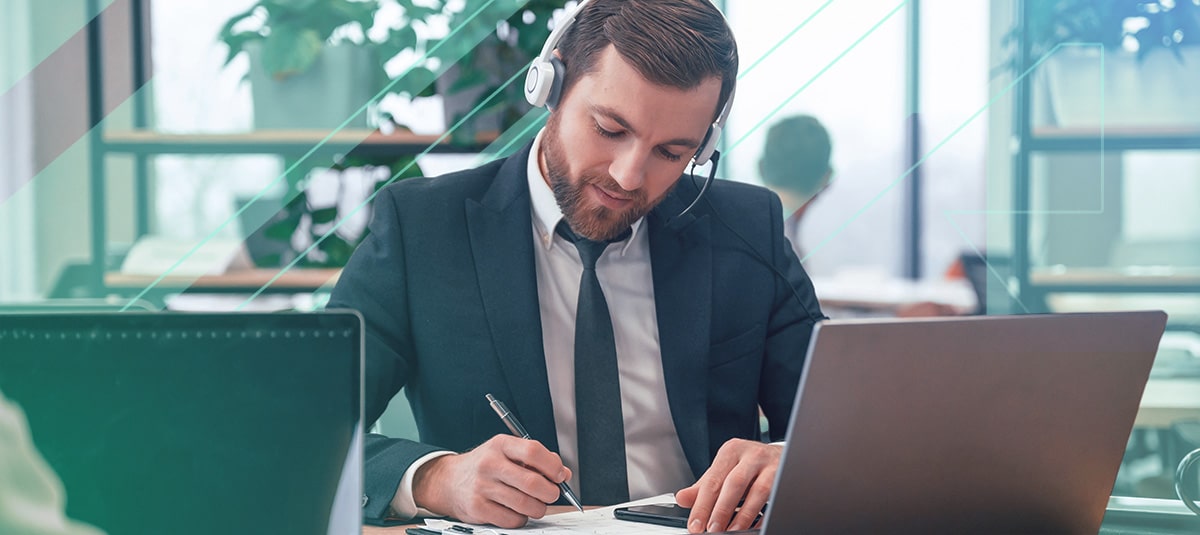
1168, 400
883, 294
368, 530
302, 279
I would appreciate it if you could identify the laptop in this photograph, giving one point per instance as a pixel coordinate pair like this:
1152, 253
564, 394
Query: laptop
986, 424
195, 423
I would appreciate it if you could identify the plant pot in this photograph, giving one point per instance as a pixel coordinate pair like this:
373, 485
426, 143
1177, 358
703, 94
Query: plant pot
339, 83
1156, 91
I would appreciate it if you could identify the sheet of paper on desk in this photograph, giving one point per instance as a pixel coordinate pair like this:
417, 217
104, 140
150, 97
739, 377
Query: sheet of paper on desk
590, 522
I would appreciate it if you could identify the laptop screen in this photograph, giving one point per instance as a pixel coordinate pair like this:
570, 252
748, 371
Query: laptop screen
194, 423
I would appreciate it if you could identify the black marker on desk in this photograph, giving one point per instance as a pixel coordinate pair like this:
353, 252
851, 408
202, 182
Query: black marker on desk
519, 430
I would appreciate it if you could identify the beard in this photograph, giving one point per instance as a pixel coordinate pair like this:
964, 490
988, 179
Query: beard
587, 217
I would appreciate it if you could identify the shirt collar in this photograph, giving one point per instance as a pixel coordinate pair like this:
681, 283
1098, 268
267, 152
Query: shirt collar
546, 213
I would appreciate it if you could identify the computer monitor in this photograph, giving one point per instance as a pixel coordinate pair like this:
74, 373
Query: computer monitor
195, 423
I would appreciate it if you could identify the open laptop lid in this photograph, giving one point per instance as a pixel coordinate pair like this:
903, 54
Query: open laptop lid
1001, 424
195, 423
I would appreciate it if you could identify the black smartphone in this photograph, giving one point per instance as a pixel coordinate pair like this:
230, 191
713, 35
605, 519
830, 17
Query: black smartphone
666, 514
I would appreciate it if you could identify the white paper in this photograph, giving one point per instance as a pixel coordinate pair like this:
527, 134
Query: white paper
590, 522
155, 255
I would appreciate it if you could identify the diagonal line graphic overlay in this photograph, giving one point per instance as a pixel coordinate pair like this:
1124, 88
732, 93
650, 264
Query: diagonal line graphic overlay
50, 38
466, 23
818, 75
517, 134
533, 120
51, 69
930, 153
450, 131
1012, 293
520, 132
785, 39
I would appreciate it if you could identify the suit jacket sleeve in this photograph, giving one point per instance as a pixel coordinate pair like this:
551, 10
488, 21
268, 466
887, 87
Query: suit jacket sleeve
794, 314
374, 283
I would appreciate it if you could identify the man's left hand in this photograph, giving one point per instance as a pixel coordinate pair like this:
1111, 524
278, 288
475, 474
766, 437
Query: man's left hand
743, 472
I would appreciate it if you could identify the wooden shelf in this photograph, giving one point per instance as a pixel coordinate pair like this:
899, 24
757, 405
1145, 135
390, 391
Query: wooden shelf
250, 280
1123, 131
1148, 276
1102, 280
287, 141
1087, 139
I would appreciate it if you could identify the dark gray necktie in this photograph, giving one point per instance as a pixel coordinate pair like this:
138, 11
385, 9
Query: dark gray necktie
600, 430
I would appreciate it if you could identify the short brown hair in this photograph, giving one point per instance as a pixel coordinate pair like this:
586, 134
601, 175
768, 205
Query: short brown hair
674, 43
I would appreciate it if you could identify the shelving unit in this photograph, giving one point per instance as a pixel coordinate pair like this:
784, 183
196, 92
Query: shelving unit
1033, 284
142, 143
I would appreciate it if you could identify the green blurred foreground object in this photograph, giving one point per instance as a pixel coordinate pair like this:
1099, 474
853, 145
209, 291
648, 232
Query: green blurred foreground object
31, 496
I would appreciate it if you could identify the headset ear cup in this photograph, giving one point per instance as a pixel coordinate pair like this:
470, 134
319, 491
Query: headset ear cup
556, 82
538, 83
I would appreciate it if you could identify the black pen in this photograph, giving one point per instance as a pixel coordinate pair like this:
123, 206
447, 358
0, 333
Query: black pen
519, 430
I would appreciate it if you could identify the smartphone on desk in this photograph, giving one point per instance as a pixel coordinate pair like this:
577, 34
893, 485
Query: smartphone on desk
665, 514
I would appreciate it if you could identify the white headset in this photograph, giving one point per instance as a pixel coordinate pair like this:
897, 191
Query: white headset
543, 85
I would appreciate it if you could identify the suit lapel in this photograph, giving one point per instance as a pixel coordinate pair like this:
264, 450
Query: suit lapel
500, 229
681, 262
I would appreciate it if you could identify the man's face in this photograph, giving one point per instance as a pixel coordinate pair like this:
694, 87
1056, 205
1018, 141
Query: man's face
617, 143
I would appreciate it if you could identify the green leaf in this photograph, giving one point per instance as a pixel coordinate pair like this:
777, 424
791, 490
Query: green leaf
467, 79
237, 44
227, 29
398, 40
402, 170
416, 12
337, 250
295, 5
283, 230
361, 13
417, 83
271, 260
290, 50
324, 215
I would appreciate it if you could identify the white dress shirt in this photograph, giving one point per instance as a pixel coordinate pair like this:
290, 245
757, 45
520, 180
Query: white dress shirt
654, 457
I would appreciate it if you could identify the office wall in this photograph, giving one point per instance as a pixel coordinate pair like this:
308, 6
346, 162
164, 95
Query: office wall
846, 67
17, 265
60, 184
999, 133
953, 100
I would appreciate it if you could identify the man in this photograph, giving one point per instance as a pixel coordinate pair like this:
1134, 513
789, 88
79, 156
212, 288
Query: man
795, 165
467, 289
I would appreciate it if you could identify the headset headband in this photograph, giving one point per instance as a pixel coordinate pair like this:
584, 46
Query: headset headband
544, 82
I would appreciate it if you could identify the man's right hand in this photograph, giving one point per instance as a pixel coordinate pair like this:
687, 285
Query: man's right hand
505, 482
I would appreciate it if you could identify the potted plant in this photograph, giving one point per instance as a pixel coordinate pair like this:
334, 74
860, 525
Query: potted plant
310, 64
305, 228
291, 43
503, 53
488, 42
1151, 60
